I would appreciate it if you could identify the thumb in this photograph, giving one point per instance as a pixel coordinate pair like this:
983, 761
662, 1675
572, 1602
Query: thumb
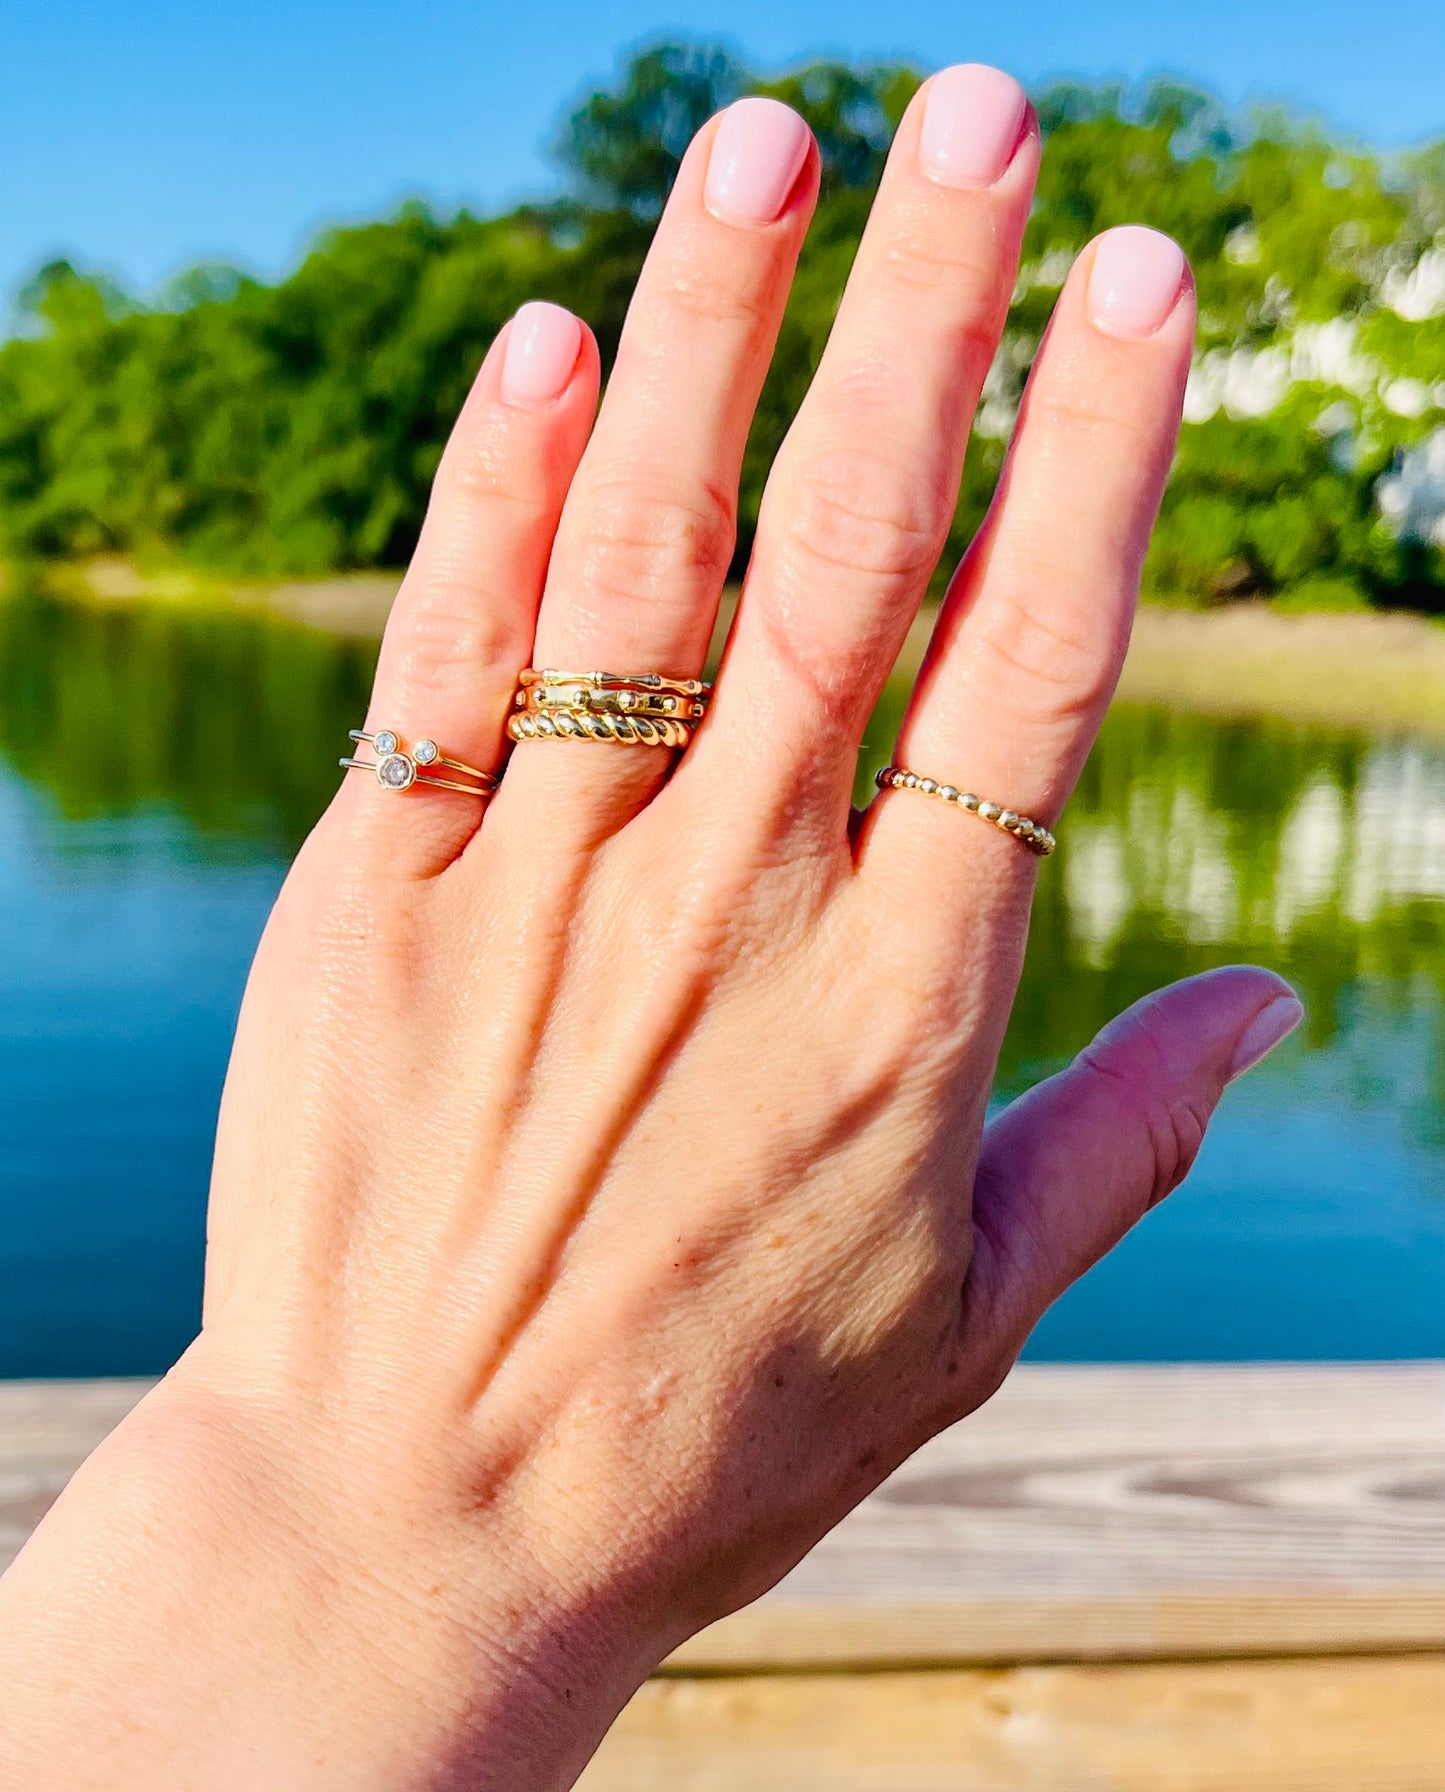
1068, 1168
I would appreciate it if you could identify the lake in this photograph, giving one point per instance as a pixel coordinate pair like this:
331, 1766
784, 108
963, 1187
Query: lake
159, 766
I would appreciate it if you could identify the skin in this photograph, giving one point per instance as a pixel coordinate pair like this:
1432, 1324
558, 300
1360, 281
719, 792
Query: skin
602, 1201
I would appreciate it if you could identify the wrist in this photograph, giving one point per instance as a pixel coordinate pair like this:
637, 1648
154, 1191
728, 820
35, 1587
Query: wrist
215, 1602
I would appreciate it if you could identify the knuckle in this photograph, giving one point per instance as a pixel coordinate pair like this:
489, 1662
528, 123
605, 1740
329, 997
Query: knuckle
1171, 1122
642, 540
710, 293
445, 630
1048, 655
862, 513
485, 471
927, 259
1178, 1135
1072, 412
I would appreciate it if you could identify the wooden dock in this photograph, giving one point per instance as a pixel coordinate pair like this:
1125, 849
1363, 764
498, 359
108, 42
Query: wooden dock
1153, 1579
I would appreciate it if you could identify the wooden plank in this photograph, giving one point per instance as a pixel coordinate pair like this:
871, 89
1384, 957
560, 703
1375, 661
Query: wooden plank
1087, 1513
1296, 1726
1096, 1512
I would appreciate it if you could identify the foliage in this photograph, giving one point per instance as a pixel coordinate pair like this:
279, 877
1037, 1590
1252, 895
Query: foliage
295, 427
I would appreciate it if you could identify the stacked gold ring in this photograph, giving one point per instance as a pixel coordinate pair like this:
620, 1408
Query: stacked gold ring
1033, 834
641, 709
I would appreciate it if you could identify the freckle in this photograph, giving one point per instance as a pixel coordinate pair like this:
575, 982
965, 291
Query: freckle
776, 1242
780, 1381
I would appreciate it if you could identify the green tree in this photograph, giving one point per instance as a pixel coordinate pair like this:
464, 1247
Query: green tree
295, 427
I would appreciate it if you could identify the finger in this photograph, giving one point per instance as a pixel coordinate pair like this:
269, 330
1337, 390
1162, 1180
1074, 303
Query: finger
462, 624
1070, 1167
648, 530
864, 488
1028, 646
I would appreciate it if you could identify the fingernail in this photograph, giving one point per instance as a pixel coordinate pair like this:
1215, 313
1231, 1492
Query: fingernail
1264, 1032
1135, 280
973, 120
757, 155
541, 353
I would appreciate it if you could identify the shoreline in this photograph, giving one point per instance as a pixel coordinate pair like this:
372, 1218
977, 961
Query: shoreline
1374, 670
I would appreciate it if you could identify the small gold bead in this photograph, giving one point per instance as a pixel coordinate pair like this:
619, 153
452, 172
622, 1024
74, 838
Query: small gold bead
969, 801
989, 811
1008, 820
948, 793
928, 787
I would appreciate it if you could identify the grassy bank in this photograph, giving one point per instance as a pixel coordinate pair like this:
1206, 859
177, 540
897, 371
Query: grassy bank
1349, 669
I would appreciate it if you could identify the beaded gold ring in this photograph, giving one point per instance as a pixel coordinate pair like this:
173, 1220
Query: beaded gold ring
1033, 834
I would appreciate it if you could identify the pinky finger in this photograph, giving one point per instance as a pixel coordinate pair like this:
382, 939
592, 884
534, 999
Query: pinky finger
1030, 640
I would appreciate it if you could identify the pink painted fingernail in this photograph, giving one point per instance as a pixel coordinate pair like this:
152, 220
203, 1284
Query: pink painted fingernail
973, 121
1274, 1022
541, 354
1135, 281
757, 156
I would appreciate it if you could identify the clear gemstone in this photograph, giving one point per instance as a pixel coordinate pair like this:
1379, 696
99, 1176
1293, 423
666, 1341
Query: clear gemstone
396, 771
425, 752
385, 742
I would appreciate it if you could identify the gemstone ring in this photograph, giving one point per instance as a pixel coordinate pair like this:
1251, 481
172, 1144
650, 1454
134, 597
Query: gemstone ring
397, 769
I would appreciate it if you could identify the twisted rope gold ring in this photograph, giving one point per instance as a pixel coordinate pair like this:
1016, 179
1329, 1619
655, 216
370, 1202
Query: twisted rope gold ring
586, 724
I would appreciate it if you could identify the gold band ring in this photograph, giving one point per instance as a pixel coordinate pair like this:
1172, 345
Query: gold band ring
398, 770
614, 681
643, 709
547, 699
1036, 837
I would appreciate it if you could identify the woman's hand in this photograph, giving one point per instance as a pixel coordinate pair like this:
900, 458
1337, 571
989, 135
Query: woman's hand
602, 1200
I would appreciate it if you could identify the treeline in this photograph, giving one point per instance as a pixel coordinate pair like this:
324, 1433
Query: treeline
295, 427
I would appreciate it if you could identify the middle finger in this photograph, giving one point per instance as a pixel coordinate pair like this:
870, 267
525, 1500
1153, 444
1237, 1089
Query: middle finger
864, 489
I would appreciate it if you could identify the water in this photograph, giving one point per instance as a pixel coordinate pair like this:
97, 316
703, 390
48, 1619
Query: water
158, 768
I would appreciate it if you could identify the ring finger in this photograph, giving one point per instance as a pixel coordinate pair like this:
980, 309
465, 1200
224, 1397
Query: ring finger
648, 530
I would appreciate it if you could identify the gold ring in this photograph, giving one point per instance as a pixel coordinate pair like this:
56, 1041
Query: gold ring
585, 724
642, 709
396, 769
614, 681
1032, 833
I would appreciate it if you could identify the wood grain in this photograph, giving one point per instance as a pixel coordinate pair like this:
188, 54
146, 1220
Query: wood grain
1085, 1514
1293, 1726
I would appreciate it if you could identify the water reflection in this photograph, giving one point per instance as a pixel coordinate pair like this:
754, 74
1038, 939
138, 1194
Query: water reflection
162, 765
230, 720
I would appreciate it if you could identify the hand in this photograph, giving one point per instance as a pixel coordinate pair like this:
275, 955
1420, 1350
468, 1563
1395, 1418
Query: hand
602, 1202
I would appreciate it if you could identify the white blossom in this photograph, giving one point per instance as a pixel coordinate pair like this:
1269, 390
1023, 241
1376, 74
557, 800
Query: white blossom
1418, 294
1406, 397
1412, 499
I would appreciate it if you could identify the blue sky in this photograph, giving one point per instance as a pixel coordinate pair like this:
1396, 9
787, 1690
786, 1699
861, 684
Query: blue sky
142, 135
